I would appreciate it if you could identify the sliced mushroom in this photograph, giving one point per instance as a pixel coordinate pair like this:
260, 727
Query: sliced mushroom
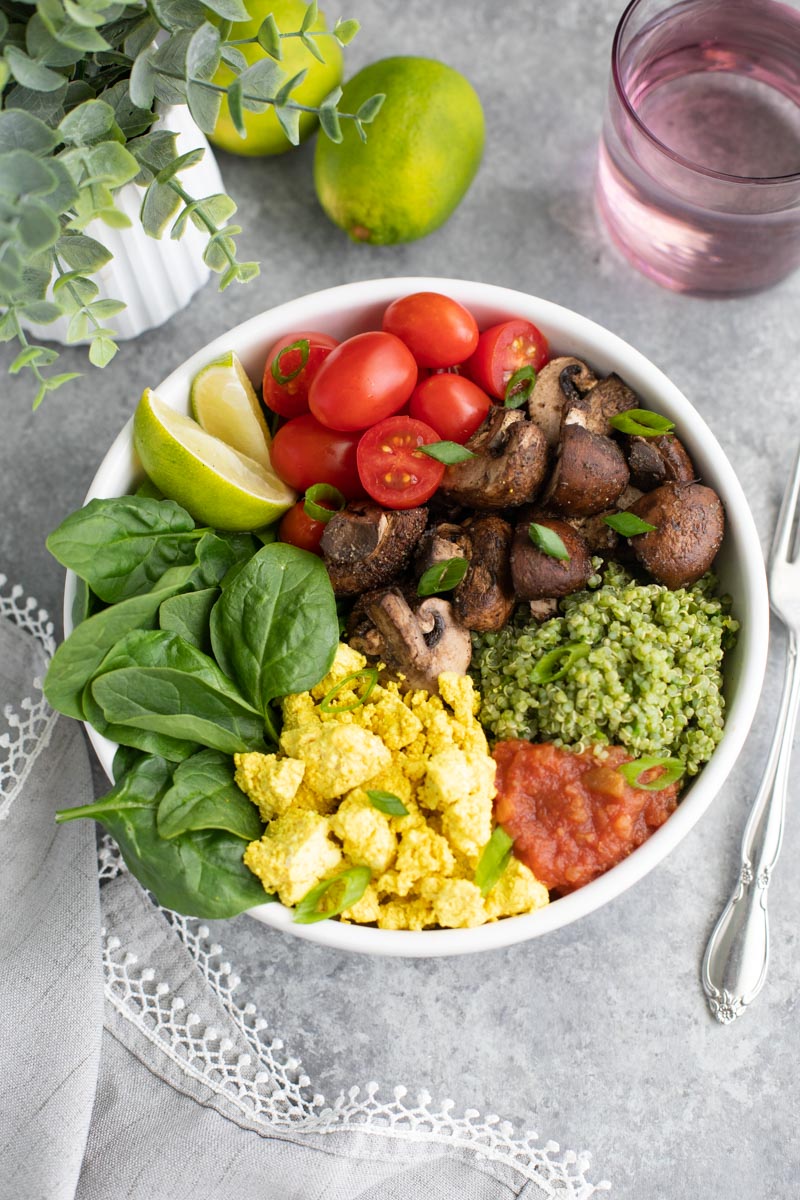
656, 460
689, 525
365, 546
485, 597
539, 576
543, 610
589, 475
509, 465
421, 643
548, 398
438, 544
598, 535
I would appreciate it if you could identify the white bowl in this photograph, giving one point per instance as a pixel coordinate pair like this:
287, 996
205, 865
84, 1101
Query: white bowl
343, 311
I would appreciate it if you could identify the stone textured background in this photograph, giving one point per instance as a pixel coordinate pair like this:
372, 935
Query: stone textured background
596, 1036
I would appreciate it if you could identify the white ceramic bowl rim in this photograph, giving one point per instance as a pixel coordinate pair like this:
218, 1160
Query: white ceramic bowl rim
569, 333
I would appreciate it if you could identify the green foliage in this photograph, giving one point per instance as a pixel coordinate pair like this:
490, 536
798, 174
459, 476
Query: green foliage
79, 84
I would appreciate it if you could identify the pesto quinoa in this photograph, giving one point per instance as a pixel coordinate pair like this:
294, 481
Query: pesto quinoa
645, 672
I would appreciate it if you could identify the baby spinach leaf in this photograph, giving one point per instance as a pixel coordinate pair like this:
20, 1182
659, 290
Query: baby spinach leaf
159, 682
188, 615
76, 660
125, 757
122, 546
219, 554
274, 629
204, 796
136, 740
200, 874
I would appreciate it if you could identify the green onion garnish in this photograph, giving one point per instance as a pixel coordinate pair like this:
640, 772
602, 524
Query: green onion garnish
519, 387
442, 576
304, 346
323, 501
628, 524
642, 422
673, 768
387, 802
494, 860
556, 663
548, 541
354, 879
368, 674
446, 452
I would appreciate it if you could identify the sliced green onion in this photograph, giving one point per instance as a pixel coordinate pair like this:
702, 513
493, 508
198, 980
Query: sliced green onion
628, 524
548, 541
304, 346
494, 860
368, 674
387, 802
354, 881
519, 387
642, 422
316, 499
673, 769
556, 663
442, 576
446, 452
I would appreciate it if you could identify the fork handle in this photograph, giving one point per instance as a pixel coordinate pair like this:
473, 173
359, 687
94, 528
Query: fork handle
735, 962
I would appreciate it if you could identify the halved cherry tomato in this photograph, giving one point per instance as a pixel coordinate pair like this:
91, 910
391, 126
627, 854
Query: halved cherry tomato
364, 380
438, 331
291, 365
305, 452
451, 405
299, 529
392, 468
503, 350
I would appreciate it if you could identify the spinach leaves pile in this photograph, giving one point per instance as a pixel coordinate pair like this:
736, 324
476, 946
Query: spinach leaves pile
185, 638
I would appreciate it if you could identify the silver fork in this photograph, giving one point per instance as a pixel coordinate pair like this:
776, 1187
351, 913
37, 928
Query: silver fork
735, 962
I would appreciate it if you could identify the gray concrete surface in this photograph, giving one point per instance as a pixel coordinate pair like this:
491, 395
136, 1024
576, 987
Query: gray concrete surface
596, 1036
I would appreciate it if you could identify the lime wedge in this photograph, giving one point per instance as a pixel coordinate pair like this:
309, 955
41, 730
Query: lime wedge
218, 485
223, 401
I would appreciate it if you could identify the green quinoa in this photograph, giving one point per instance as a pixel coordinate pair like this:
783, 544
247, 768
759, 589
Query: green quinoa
651, 680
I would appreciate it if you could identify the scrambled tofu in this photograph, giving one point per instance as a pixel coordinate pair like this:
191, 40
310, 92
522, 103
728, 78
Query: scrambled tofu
428, 751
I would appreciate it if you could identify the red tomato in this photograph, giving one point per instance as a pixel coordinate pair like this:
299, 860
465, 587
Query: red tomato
305, 452
364, 380
391, 467
300, 530
438, 331
290, 398
451, 405
502, 350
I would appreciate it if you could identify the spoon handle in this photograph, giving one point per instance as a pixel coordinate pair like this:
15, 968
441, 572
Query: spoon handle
735, 962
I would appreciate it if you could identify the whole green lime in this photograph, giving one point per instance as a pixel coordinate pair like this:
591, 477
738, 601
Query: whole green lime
421, 153
263, 131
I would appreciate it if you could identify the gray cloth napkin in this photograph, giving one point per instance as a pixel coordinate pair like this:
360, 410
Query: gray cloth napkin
127, 1072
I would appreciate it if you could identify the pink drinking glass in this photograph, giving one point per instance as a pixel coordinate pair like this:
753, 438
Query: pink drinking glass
698, 177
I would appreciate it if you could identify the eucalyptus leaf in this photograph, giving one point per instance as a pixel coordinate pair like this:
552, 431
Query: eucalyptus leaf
204, 795
21, 131
31, 74
200, 874
204, 105
38, 226
159, 206
88, 123
102, 350
82, 253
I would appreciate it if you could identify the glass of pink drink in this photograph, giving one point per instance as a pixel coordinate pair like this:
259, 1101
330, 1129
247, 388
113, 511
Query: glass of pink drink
699, 170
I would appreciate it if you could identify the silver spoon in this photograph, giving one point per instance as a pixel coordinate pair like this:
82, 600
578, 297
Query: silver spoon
736, 958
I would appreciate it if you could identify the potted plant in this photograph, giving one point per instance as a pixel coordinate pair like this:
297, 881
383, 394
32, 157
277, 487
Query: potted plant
84, 84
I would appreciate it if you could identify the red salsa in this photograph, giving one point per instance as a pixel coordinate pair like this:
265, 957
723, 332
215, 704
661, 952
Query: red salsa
573, 816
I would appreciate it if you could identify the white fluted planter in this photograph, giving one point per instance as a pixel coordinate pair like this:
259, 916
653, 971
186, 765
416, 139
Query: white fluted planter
154, 277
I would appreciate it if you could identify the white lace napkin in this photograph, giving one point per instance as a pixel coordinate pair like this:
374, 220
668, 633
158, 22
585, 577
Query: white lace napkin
129, 1068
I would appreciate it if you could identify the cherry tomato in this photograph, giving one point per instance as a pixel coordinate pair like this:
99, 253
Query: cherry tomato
451, 405
296, 367
391, 467
305, 452
364, 380
298, 529
438, 331
503, 350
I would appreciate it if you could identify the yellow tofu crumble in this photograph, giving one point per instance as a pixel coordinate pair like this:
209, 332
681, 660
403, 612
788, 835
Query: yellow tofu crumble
431, 753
